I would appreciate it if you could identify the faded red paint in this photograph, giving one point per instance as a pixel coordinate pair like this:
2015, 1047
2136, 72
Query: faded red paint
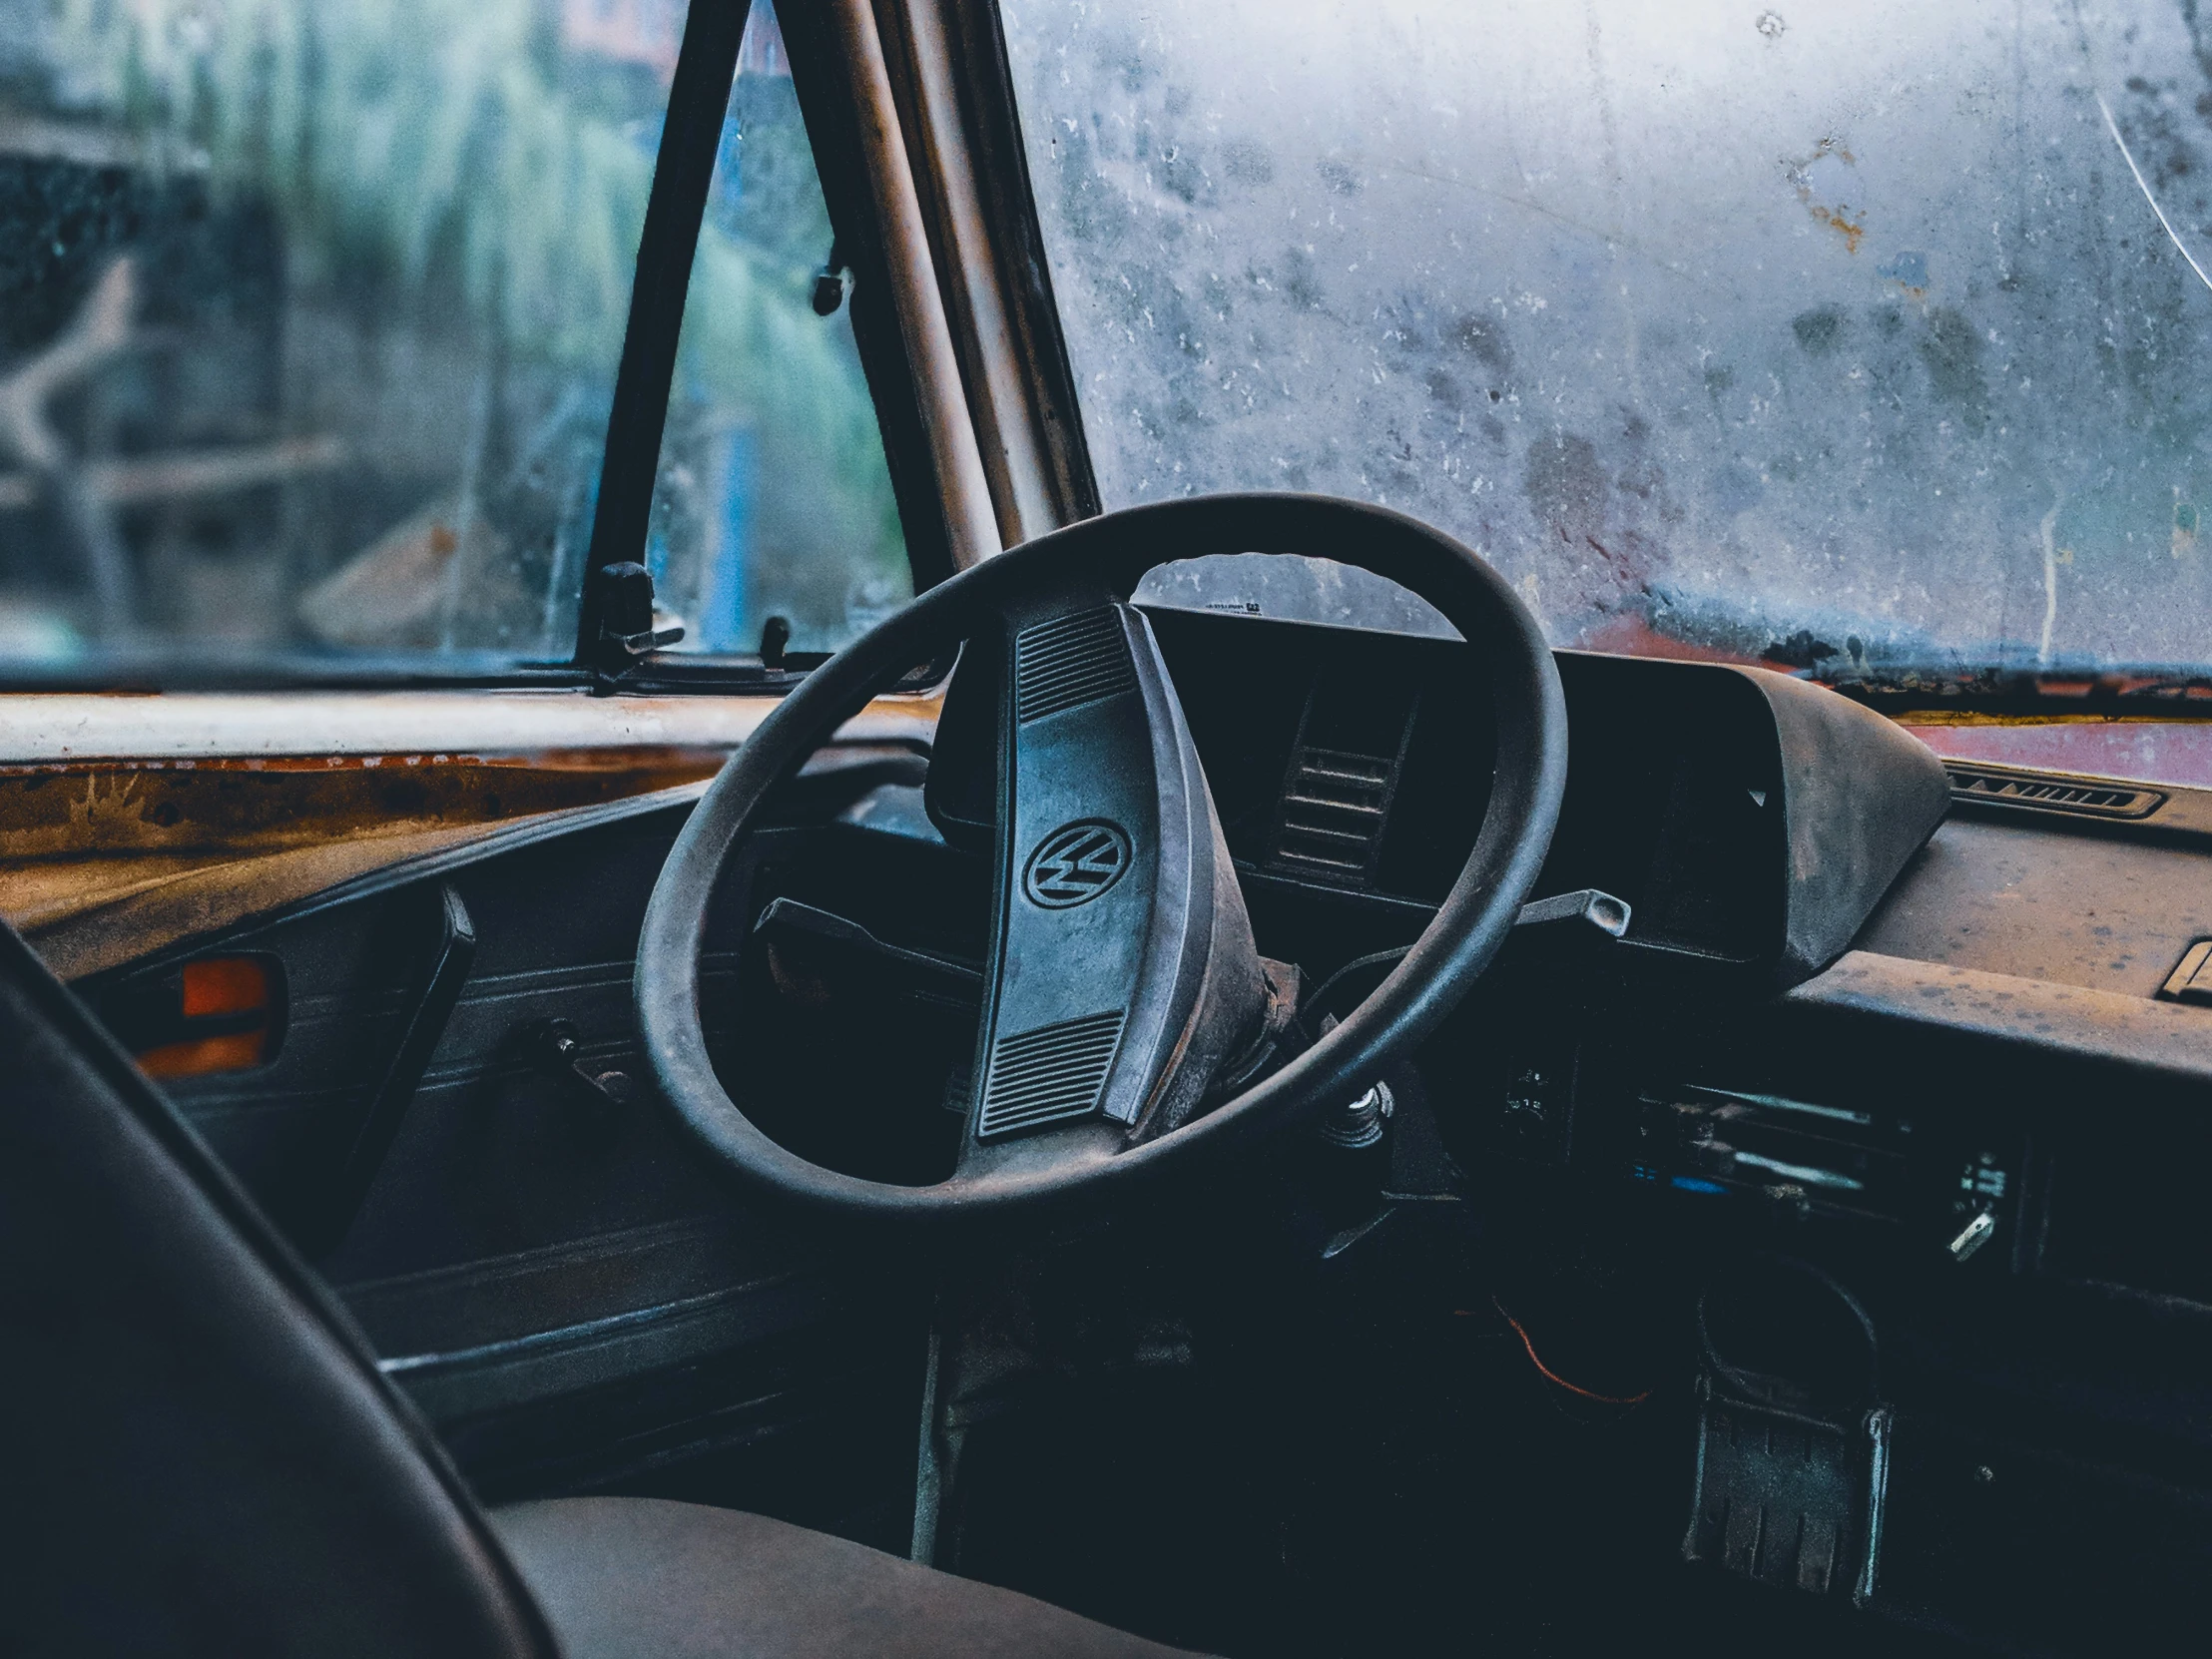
2145, 751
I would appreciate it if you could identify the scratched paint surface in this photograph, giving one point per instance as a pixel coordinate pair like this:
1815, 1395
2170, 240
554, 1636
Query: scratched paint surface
1836, 335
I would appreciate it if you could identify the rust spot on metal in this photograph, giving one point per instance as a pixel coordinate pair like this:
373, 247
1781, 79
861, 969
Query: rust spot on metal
1799, 170
1834, 218
104, 809
101, 860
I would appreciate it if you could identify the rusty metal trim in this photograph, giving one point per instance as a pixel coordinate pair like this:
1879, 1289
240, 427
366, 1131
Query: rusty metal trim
924, 59
204, 908
961, 476
63, 728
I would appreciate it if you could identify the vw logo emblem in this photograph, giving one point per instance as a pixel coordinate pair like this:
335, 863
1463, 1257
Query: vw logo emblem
1076, 863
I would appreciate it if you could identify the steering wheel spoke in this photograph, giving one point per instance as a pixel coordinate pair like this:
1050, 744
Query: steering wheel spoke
1063, 1150
1122, 969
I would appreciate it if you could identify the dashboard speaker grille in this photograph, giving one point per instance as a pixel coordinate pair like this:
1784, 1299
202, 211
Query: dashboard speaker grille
1070, 661
2052, 792
1054, 1072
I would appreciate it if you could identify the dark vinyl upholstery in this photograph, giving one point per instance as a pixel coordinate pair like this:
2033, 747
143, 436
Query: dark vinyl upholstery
638, 1578
201, 1457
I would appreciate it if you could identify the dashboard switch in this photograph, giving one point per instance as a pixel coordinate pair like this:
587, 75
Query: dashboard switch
1535, 1107
1973, 1235
559, 1053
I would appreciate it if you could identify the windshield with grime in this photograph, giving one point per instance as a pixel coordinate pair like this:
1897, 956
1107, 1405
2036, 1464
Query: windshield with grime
1851, 336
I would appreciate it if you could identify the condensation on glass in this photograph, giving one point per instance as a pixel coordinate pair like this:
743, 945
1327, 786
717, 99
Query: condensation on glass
1834, 335
309, 319
772, 498
309, 314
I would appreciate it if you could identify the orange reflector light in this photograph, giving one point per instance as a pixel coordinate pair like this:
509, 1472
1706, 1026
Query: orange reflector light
225, 985
226, 1015
233, 1051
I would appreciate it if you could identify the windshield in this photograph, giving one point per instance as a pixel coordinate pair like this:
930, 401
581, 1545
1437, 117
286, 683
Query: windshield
1846, 336
310, 312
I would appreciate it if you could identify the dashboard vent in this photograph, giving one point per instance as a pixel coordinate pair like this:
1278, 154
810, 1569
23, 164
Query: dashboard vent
1342, 778
2051, 791
1070, 661
1046, 1075
1334, 811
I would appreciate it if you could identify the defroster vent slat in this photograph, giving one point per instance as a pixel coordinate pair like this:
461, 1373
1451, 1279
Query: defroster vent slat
1070, 661
2051, 791
1049, 1074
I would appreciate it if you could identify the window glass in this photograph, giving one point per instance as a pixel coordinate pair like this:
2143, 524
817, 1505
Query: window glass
1849, 336
773, 501
309, 314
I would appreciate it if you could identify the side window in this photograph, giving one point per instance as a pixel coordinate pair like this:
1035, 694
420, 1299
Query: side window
310, 312
773, 509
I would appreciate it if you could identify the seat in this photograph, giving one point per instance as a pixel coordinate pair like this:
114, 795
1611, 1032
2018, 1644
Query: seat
640, 1578
204, 1459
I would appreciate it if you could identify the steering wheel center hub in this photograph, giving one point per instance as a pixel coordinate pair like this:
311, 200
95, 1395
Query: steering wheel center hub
1076, 863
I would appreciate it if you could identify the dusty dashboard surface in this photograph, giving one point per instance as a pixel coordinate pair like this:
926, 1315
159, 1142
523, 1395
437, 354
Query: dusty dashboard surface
2029, 958
1974, 1109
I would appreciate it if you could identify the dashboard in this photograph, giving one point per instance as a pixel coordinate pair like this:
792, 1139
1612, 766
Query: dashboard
1348, 762
1877, 1114
1844, 973
1935, 1053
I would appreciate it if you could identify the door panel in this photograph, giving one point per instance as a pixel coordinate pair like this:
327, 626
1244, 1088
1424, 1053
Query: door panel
567, 1287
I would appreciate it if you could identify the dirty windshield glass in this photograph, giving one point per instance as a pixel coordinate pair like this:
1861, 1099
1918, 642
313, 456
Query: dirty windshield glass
1838, 335
309, 319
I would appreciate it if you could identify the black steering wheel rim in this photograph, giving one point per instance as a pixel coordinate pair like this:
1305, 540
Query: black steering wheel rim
1113, 551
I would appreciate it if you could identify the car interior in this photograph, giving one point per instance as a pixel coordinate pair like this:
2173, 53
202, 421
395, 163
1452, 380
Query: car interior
1197, 1074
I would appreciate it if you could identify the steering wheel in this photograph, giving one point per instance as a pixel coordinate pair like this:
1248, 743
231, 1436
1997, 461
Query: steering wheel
1125, 1001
